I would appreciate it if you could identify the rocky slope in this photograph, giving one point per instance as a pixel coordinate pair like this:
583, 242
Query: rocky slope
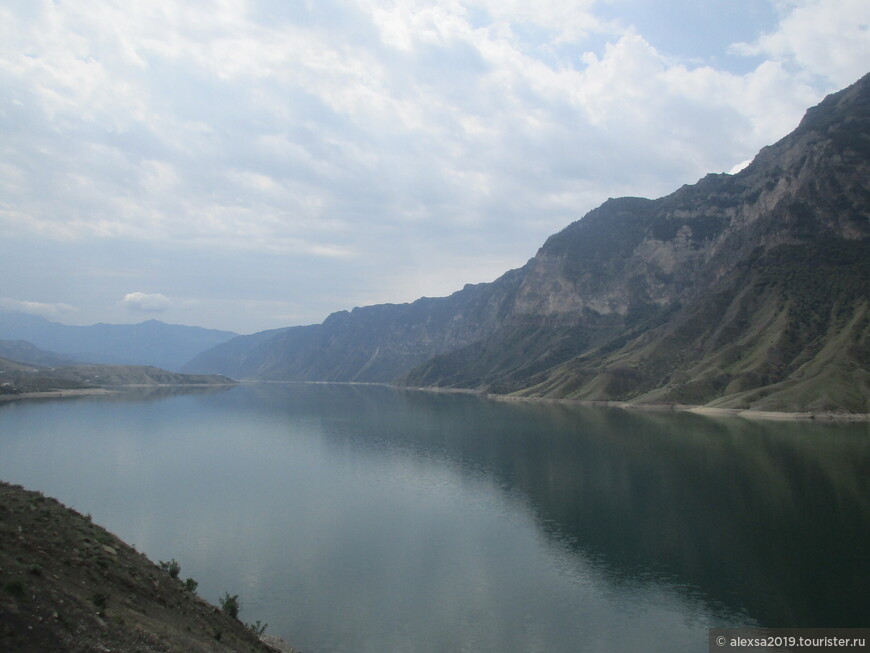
747, 290
368, 344
68, 585
19, 378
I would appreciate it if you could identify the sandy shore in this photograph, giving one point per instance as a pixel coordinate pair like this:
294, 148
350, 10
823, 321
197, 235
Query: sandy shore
699, 410
54, 394
115, 389
778, 415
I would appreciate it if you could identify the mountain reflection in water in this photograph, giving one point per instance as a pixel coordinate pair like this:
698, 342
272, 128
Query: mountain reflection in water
369, 518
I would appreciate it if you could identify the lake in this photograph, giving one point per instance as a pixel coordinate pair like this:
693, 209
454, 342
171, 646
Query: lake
366, 518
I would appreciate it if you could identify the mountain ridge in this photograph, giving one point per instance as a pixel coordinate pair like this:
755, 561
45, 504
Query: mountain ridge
151, 342
746, 290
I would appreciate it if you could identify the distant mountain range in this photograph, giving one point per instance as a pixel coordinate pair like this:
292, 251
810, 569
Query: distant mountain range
747, 291
168, 346
22, 351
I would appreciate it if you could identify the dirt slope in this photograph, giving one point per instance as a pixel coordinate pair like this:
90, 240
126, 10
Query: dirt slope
68, 585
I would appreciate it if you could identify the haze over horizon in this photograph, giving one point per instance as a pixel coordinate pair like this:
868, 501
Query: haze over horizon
247, 165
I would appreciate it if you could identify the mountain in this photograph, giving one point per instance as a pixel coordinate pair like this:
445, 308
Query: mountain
152, 342
749, 290
230, 354
369, 344
25, 352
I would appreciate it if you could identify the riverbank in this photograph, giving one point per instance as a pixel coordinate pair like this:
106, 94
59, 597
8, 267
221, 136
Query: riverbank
709, 411
55, 394
114, 390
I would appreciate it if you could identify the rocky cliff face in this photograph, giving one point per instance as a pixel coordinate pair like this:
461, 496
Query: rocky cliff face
369, 344
632, 252
746, 290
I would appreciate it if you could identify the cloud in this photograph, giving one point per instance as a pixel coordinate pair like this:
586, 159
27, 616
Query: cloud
146, 302
825, 38
56, 310
365, 145
206, 125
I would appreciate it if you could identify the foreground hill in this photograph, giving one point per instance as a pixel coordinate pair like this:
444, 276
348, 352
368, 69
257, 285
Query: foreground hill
743, 291
151, 342
21, 378
113, 376
68, 585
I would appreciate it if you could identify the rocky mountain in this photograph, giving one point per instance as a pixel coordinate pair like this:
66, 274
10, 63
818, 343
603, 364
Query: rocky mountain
148, 343
748, 290
369, 344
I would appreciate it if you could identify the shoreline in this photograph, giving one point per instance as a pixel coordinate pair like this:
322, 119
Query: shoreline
56, 394
116, 389
709, 411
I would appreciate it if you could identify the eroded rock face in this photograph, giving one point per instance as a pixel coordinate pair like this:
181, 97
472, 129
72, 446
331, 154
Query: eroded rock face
813, 184
547, 290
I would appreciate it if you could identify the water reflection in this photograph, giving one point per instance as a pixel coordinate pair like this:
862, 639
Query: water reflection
766, 518
366, 518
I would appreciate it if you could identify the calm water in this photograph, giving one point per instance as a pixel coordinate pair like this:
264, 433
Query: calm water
362, 518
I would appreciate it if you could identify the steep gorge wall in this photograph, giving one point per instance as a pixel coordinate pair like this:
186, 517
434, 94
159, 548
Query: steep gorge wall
613, 306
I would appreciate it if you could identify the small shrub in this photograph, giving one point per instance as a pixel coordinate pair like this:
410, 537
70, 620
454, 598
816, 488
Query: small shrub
258, 628
190, 585
15, 588
172, 568
230, 604
101, 600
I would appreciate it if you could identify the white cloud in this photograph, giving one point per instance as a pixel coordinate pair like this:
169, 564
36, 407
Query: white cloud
825, 38
568, 21
55, 310
146, 302
257, 133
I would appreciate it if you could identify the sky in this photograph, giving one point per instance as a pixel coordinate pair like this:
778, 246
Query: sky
253, 164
